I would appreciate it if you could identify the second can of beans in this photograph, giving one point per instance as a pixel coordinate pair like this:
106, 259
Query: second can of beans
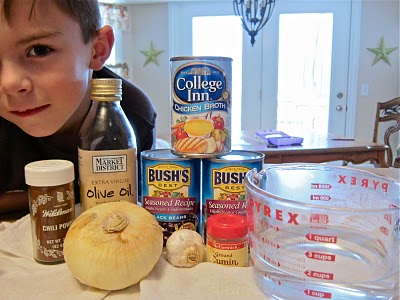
171, 190
201, 88
223, 183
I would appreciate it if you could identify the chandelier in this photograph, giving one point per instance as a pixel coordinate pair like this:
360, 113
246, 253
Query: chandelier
253, 14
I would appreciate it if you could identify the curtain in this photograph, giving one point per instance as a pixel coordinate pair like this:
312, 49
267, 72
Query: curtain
120, 69
115, 15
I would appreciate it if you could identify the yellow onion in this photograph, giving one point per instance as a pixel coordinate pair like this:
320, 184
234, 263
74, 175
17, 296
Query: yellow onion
113, 245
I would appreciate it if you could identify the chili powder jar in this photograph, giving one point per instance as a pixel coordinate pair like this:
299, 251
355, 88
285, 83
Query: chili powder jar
51, 206
227, 240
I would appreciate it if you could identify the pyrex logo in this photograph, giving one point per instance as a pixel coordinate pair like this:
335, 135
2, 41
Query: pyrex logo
363, 182
277, 214
168, 176
199, 83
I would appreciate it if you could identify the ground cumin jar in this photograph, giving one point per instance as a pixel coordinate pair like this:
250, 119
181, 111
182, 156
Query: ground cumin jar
227, 242
51, 206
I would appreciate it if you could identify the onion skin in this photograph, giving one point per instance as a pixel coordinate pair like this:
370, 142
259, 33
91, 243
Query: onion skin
113, 245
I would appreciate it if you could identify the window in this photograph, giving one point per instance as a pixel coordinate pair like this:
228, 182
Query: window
222, 36
117, 17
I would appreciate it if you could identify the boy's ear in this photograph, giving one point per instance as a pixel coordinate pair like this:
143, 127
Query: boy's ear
102, 46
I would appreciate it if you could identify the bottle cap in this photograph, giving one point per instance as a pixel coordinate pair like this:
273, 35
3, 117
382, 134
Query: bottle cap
227, 226
106, 89
51, 172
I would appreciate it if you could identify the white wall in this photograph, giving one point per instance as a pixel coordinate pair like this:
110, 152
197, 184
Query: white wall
149, 22
379, 18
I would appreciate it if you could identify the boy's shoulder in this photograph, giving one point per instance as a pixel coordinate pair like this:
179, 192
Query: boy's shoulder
15, 151
127, 87
9, 132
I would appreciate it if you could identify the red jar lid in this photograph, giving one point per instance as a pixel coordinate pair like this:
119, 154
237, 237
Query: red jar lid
227, 226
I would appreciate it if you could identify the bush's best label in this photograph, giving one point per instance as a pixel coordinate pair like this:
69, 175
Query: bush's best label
229, 179
228, 191
169, 177
170, 191
201, 106
223, 183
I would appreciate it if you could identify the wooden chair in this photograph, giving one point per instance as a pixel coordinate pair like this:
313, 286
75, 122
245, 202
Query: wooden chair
385, 112
397, 161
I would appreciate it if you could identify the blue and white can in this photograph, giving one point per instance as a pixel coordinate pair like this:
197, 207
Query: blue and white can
201, 88
223, 183
171, 190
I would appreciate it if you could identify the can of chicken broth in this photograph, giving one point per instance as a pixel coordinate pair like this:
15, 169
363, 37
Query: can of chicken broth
223, 183
171, 190
201, 88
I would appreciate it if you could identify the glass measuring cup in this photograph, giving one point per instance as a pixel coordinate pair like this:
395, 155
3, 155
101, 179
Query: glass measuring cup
319, 231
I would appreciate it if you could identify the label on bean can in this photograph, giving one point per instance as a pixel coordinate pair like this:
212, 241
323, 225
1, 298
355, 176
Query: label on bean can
171, 190
223, 183
201, 91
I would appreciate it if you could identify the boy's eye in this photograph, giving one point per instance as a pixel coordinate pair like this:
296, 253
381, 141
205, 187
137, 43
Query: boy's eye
39, 50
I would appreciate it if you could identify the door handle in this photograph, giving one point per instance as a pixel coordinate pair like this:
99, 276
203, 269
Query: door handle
339, 108
339, 95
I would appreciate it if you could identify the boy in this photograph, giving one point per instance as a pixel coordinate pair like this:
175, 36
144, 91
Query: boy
49, 51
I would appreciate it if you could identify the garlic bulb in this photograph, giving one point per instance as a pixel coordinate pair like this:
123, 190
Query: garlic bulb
184, 248
113, 245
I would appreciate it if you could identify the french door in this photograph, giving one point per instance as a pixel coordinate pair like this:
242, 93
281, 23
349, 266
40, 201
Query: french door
295, 77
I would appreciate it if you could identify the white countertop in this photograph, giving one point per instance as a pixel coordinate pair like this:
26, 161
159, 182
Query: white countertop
23, 278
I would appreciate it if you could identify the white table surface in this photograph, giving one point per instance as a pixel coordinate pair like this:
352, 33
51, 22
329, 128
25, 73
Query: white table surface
22, 278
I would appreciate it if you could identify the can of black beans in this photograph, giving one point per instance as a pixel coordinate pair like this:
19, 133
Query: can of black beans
171, 190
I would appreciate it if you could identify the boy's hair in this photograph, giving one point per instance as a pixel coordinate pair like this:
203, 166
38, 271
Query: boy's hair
85, 12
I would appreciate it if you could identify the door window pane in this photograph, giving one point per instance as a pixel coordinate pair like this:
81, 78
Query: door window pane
222, 36
304, 72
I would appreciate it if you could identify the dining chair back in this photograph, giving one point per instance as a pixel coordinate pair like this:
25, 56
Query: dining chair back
385, 112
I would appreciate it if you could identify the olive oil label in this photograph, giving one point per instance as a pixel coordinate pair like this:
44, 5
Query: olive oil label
107, 176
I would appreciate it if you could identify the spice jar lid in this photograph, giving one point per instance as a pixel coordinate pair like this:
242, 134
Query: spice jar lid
49, 172
227, 226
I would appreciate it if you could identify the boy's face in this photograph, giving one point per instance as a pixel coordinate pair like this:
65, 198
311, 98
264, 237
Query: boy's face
44, 69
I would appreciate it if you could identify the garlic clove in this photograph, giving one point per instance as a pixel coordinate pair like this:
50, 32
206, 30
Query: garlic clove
185, 248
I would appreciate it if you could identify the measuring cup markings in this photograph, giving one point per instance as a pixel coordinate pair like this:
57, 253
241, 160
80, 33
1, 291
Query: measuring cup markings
338, 242
373, 225
286, 240
318, 294
288, 258
320, 186
279, 259
319, 262
320, 256
309, 287
319, 275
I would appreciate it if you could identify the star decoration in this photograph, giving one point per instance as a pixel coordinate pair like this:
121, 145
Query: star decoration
382, 52
151, 55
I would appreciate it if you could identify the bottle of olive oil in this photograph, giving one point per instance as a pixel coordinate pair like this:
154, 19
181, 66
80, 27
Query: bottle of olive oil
107, 149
